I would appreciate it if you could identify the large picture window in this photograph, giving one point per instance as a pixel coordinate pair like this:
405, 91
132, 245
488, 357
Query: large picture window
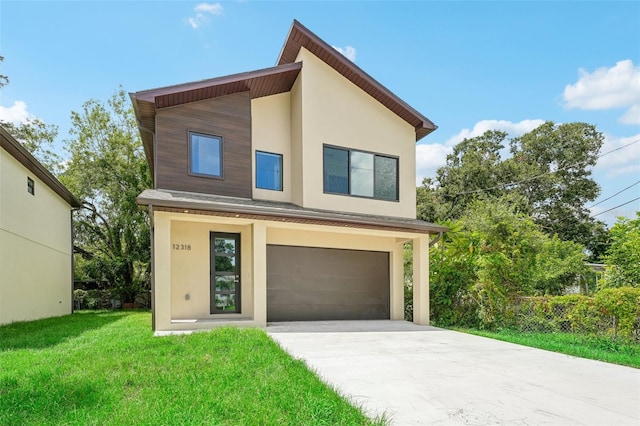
268, 171
359, 173
205, 155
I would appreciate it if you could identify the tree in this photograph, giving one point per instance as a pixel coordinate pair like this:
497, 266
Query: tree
548, 177
4, 80
623, 256
554, 163
558, 265
107, 169
493, 256
473, 165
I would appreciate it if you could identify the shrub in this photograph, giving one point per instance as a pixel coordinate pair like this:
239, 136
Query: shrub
614, 312
623, 304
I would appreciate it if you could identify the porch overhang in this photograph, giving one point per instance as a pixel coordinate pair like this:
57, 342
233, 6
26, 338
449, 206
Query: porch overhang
215, 205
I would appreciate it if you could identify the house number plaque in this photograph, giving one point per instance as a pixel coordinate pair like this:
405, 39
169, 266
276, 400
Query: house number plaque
181, 246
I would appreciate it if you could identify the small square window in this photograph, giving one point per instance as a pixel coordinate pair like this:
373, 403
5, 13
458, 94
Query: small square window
205, 155
31, 186
268, 171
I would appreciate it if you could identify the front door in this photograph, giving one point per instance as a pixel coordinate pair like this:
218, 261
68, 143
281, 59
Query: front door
225, 273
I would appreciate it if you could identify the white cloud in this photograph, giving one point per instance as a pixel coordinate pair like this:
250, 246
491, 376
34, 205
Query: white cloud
632, 116
214, 9
203, 11
349, 52
620, 161
607, 88
429, 157
16, 114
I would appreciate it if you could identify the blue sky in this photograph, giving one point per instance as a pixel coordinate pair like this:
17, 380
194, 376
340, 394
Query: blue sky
468, 66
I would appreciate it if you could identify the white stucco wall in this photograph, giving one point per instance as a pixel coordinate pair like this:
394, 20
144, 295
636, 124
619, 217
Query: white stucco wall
336, 112
271, 132
35, 247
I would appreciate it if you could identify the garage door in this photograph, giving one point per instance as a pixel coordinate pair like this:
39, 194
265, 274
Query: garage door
313, 284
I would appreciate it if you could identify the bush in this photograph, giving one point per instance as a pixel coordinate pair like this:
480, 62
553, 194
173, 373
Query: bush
623, 304
92, 299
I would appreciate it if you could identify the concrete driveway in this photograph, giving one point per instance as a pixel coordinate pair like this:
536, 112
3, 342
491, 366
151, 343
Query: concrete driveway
426, 375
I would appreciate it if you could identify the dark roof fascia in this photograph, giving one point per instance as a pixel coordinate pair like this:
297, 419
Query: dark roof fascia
185, 201
152, 94
24, 157
292, 46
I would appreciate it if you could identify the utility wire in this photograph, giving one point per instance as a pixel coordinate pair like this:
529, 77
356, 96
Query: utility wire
613, 208
608, 198
505, 185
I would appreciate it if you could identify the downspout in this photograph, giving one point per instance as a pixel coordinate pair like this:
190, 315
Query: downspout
73, 270
153, 269
436, 239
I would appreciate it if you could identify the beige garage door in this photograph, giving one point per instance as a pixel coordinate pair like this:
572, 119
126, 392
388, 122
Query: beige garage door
314, 284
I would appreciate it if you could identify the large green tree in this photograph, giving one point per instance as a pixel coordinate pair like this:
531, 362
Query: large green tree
554, 164
107, 170
548, 177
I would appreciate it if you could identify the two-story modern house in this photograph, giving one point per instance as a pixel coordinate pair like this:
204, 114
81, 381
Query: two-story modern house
283, 194
36, 274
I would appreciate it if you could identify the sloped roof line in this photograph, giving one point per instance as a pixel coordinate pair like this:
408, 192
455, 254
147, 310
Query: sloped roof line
24, 157
300, 36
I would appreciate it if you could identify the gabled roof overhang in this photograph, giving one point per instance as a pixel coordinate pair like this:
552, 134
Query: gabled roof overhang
299, 36
24, 157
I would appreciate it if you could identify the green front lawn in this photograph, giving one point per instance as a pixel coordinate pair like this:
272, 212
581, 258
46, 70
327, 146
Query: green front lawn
106, 368
590, 347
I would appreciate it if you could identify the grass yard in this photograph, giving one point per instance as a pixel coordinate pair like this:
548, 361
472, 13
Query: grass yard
589, 347
106, 368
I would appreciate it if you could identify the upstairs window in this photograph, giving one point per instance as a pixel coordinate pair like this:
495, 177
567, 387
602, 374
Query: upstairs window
359, 173
31, 186
205, 155
268, 171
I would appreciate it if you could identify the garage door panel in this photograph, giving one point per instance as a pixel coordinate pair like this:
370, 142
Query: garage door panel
292, 312
308, 283
321, 297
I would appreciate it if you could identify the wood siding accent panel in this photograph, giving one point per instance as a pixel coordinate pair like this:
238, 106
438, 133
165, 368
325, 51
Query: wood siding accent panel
228, 117
319, 284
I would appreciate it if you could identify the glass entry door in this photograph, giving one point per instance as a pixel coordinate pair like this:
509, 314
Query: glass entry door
225, 273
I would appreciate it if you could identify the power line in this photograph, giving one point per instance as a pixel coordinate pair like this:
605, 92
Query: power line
505, 185
619, 205
619, 148
608, 198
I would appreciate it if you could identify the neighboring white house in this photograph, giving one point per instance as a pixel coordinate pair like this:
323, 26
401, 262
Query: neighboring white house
36, 277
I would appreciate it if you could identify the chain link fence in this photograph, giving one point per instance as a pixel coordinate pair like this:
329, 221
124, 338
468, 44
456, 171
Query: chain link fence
578, 315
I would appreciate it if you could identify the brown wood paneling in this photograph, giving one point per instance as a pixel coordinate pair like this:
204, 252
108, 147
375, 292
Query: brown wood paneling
316, 284
228, 117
